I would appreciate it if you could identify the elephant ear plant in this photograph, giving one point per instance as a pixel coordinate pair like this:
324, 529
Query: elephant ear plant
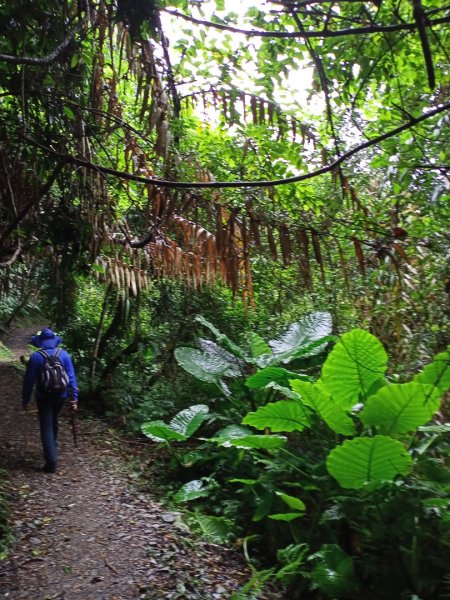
344, 478
379, 455
223, 361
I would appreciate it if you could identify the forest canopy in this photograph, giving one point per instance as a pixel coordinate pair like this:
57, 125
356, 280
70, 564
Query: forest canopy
201, 141
236, 216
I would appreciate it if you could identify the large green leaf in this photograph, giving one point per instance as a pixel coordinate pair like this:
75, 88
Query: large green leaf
158, 431
292, 501
437, 373
284, 415
334, 574
201, 365
221, 337
353, 366
365, 461
285, 516
191, 491
230, 432
399, 408
219, 354
315, 396
181, 427
305, 338
263, 499
215, 529
271, 374
285, 391
262, 442
189, 420
310, 329
257, 345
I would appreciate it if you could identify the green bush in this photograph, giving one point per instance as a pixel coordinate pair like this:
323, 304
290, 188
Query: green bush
339, 479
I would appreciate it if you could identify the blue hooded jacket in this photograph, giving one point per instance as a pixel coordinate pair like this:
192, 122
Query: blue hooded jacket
49, 341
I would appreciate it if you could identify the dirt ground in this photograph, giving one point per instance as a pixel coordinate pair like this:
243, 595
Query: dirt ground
87, 532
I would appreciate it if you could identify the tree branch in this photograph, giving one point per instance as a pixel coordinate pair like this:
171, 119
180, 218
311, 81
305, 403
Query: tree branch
45, 60
421, 21
25, 210
65, 158
13, 258
309, 34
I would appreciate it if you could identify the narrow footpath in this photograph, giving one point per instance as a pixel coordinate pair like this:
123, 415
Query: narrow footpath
87, 532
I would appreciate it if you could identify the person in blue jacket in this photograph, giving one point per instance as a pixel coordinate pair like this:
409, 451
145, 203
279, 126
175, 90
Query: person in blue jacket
49, 404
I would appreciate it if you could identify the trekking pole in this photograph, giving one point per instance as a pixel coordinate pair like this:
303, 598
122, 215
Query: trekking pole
73, 411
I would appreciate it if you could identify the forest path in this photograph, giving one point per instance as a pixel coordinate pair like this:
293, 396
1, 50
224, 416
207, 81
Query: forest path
86, 532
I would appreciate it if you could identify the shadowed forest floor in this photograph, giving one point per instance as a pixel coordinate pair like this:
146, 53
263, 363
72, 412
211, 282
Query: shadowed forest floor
87, 532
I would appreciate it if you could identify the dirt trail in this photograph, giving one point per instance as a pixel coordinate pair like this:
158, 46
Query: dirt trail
86, 532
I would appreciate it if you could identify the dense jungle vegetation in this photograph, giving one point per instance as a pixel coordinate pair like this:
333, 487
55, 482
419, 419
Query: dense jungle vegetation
237, 216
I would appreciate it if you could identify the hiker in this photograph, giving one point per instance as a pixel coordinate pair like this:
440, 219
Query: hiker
51, 390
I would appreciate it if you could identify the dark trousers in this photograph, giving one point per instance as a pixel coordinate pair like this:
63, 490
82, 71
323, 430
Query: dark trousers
49, 409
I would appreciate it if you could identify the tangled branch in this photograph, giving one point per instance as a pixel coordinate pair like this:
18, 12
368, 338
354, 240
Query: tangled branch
328, 33
65, 158
44, 60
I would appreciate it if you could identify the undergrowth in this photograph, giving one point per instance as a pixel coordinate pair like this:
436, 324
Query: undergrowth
5, 530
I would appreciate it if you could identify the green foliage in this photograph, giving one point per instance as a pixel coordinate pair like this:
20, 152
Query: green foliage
191, 491
334, 574
270, 375
356, 362
318, 398
215, 529
437, 373
181, 427
214, 364
306, 338
368, 461
279, 416
262, 442
206, 366
5, 353
340, 497
399, 408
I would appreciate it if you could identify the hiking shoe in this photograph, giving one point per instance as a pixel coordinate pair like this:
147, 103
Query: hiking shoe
49, 468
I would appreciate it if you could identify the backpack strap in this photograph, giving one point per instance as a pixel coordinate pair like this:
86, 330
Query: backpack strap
45, 354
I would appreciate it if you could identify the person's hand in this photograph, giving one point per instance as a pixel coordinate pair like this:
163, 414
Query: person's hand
74, 405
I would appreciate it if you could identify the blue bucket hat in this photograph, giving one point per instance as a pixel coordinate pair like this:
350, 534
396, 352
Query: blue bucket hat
46, 339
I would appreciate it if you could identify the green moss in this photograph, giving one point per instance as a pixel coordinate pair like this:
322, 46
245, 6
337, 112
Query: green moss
5, 354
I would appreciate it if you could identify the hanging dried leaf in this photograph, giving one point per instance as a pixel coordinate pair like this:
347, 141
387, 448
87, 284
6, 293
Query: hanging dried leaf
261, 111
285, 244
134, 287
304, 264
317, 251
255, 233
249, 282
343, 264
359, 255
254, 109
271, 242
401, 252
